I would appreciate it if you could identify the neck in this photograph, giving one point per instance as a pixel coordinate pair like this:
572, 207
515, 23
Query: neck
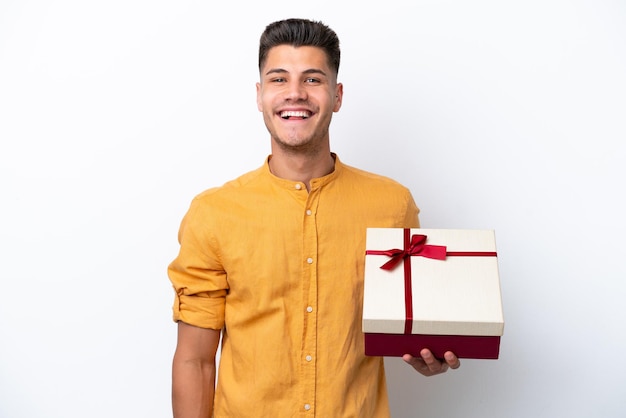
299, 167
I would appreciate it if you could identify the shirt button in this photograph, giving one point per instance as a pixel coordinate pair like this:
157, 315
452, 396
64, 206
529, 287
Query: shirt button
309, 309
307, 407
308, 358
308, 212
298, 186
309, 260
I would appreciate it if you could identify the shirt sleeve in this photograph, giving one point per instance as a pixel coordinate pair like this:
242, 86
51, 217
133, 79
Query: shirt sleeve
197, 275
411, 215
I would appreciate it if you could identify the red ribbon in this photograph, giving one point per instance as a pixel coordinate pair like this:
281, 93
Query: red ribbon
416, 246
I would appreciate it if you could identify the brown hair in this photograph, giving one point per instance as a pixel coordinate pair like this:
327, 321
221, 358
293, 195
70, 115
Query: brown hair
300, 32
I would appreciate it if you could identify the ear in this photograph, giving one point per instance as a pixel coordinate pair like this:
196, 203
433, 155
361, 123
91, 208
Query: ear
338, 97
259, 103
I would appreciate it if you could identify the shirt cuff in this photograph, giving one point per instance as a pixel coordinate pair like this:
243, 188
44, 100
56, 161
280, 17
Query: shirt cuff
204, 311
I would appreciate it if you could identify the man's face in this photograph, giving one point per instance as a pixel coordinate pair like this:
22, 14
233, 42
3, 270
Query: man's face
298, 94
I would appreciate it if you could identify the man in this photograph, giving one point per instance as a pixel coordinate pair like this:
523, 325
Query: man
273, 261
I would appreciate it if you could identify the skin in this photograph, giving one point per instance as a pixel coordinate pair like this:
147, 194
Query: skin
193, 372
300, 81
429, 365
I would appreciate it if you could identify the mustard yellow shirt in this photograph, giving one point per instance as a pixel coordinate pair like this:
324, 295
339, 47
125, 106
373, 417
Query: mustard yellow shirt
280, 271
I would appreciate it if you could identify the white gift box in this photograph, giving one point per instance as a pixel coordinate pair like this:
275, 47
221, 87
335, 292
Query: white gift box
449, 302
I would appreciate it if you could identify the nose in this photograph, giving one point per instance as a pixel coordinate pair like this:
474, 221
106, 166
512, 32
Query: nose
296, 91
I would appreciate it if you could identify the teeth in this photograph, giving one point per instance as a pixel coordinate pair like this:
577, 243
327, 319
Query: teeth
292, 113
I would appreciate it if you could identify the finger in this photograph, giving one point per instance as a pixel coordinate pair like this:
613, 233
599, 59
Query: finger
452, 360
417, 363
432, 363
409, 359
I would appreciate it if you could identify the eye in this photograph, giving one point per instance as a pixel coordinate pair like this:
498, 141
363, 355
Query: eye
278, 80
311, 80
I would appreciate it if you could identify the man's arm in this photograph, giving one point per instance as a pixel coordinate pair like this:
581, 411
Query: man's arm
193, 371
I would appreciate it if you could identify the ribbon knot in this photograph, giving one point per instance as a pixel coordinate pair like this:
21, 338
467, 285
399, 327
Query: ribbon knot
417, 247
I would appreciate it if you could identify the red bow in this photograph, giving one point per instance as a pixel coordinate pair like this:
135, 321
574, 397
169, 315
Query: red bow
417, 247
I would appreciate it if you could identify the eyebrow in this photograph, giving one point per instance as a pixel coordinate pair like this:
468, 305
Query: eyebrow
282, 71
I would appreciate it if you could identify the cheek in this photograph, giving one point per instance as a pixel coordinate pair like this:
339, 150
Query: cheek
265, 102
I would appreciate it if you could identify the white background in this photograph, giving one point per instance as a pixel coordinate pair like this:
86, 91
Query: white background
508, 115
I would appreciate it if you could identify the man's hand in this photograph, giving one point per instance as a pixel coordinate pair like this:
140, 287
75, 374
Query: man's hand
429, 365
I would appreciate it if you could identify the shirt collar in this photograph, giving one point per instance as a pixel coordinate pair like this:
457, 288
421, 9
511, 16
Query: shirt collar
315, 183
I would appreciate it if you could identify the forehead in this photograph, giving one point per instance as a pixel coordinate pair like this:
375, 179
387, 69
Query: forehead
296, 59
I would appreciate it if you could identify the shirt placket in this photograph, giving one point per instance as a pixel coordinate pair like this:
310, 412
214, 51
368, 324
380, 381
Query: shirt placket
308, 355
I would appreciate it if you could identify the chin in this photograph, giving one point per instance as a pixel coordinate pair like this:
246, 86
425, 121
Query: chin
293, 140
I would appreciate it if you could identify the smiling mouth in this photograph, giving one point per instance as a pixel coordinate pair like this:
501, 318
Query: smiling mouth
291, 114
